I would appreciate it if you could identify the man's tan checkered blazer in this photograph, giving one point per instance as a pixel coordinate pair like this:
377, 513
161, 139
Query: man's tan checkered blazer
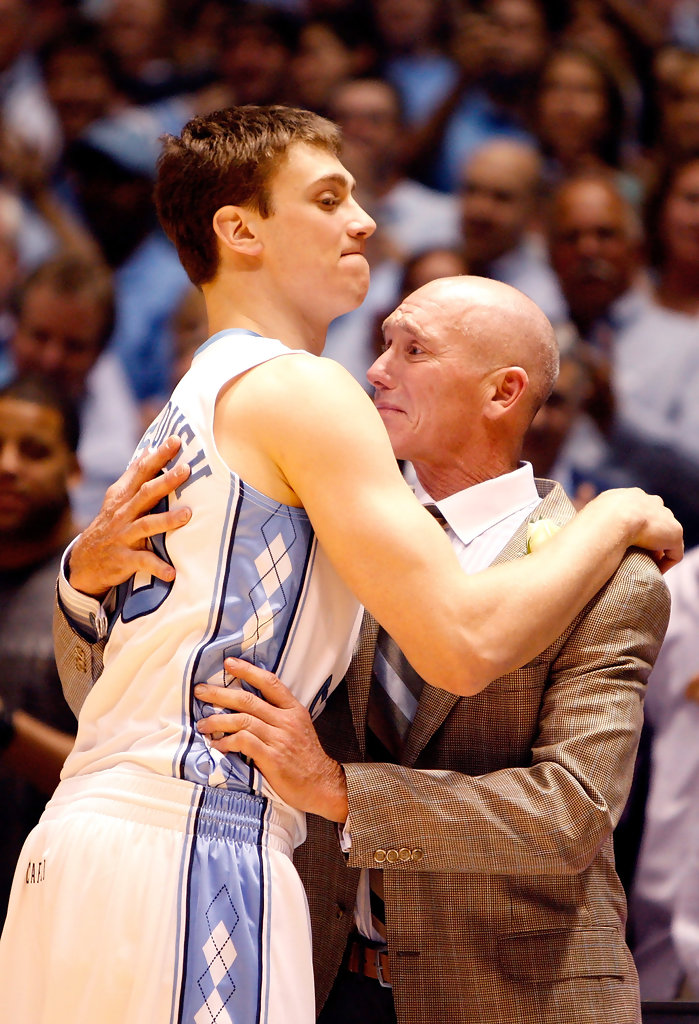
513, 911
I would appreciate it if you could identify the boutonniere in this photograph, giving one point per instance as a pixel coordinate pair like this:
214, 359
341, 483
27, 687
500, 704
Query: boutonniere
539, 531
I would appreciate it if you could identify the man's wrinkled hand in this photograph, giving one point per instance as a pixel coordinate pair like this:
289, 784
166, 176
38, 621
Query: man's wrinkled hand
277, 733
115, 544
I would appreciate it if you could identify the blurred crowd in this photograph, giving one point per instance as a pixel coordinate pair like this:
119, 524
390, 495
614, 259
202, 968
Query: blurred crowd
548, 144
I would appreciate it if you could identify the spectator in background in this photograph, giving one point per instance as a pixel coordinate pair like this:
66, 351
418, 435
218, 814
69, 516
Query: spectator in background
80, 78
428, 265
412, 48
65, 317
24, 107
672, 217
409, 216
112, 167
331, 49
258, 44
580, 117
625, 34
38, 437
10, 228
137, 36
79, 84
500, 49
658, 902
679, 115
500, 192
595, 242
566, 439
187, 329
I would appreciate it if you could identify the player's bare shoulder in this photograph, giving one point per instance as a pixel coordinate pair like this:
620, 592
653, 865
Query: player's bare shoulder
296, 393
286, 410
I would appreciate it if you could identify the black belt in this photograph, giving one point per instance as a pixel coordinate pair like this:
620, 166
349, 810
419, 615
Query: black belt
370, 961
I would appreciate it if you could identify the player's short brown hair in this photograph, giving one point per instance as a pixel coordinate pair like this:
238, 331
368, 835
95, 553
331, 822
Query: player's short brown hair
226, 157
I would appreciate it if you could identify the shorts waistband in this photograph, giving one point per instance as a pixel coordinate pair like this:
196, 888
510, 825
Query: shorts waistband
225, 814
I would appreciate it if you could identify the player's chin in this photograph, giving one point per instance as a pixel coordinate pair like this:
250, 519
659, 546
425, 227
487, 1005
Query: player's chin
356, 286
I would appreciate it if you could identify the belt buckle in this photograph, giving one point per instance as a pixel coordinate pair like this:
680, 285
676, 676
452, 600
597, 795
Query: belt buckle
379, 969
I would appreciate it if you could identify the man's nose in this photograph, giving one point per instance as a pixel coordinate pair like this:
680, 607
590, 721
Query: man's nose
9, 459
378, 373
588, 246
51, 357
362, 226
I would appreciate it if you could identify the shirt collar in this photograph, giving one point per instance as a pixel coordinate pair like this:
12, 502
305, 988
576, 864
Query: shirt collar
475, 509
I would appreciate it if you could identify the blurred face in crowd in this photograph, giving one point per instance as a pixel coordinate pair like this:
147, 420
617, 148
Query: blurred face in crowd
133, 29
590, 26
519, 39
58, 335
679, 219
593, 245
321, 62
572, 105
406, 25
433, 264
368, 113
36, 467
255, 63
79, 89
554, 420
13, 30
498, 195
681, 110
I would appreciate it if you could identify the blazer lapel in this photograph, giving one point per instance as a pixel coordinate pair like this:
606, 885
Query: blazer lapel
358, 678
435, 704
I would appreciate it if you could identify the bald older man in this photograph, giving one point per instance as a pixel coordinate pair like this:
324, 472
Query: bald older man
501, 187
595, 241
488, 819
491, 822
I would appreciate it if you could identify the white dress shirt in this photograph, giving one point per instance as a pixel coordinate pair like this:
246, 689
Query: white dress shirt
480, 521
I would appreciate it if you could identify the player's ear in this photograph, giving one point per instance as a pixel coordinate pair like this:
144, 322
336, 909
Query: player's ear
508, 385
235, 228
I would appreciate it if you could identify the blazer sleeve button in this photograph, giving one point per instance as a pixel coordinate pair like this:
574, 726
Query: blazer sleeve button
403, 854
379, 856
392, 856
417, 854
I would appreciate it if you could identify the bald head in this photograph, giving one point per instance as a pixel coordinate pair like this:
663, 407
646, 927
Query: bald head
500, 185
497, 326
467, 363
594, 241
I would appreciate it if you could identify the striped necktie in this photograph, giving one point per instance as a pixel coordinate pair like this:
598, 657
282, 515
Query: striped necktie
394, 696
395, 692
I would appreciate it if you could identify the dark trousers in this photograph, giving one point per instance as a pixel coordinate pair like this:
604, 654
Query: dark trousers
355, 999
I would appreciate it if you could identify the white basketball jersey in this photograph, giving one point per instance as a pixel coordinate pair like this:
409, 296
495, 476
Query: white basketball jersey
251, 582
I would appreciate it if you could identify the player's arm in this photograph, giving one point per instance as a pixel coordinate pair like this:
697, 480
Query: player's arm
548, 817
552, 816
458, 631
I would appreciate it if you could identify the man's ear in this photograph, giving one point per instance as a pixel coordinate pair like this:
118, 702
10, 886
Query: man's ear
236, 230
508, 387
